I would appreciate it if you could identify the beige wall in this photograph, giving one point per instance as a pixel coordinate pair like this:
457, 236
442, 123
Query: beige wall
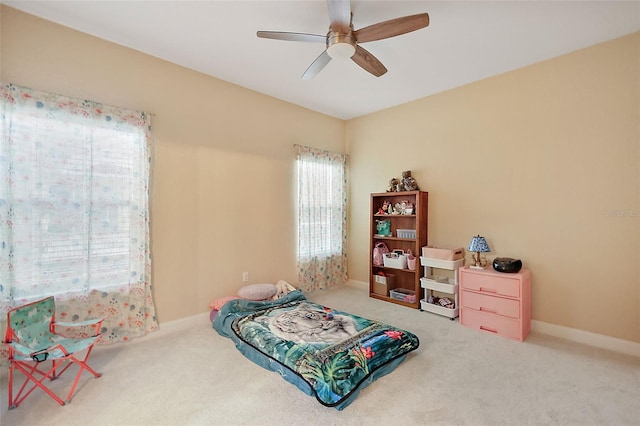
222, 198
543, 162
539, 160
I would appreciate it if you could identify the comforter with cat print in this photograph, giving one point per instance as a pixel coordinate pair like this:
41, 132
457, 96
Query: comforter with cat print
326, 353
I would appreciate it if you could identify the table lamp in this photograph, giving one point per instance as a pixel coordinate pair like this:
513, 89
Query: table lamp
478, 245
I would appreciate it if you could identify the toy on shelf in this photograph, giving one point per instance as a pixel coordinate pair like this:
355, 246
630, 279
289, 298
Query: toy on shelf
384, 209
407, 183
394, 185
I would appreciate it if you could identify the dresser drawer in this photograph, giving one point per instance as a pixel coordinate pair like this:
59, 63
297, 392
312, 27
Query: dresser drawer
491, 323
491, 304
490, 284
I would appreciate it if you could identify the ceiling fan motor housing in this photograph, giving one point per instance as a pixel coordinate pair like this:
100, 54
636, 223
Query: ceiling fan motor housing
340, 45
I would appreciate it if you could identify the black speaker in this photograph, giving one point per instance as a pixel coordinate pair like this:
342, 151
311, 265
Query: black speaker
507, 264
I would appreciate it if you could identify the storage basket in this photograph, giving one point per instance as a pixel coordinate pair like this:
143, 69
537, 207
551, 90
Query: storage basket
382, 284
403, 294
442, 253
406, 233
394, 260
411, 261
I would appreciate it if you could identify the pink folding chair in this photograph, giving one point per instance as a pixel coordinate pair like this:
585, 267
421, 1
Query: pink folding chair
32, 340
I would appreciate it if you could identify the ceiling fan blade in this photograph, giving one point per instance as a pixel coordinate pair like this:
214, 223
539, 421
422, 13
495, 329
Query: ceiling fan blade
282, 35
339, 15
392, 28
368, 62
317, 65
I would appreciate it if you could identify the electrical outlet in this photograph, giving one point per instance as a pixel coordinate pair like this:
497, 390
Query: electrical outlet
245, 277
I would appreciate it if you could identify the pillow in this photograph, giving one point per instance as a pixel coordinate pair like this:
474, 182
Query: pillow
217, 303
213, 314
261, 291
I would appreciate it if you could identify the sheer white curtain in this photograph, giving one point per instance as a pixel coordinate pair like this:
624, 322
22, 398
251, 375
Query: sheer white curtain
322, 218
74, 215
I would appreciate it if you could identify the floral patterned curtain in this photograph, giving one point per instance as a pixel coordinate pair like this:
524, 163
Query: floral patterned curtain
322, 218
74, 215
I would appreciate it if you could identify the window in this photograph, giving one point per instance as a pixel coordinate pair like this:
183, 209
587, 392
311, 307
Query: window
74, 210
71, 199
321, 218
321, 209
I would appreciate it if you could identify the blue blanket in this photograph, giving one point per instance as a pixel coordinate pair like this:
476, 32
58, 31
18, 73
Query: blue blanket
326, 353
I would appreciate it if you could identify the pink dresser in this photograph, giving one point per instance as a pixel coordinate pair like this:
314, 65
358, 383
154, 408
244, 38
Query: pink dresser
496, 302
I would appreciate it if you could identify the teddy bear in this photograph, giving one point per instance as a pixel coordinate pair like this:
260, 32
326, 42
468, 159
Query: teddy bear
408, 182
394, 185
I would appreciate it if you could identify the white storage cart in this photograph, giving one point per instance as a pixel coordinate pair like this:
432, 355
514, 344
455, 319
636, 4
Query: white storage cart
432, 282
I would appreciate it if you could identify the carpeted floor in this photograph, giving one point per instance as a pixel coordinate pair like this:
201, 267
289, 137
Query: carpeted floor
186, 374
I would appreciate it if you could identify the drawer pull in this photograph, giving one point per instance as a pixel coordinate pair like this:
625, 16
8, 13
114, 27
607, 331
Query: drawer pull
482, 327
492, 311
488, 290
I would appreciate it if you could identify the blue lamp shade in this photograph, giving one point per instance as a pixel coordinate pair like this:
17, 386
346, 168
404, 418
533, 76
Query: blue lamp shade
479, 245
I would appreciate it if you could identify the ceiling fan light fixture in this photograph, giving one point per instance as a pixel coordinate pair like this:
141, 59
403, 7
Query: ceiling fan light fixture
343, 42
341, 50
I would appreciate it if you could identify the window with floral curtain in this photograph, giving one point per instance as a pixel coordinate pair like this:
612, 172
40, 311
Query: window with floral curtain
322, 218
74, 215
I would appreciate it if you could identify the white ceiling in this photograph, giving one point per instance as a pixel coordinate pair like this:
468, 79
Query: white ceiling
466, 41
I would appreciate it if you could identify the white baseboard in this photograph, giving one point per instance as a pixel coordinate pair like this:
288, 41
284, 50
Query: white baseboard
173, 326
572, 334
358, 284
586, 337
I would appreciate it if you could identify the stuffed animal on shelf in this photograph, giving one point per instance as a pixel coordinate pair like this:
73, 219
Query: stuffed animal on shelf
394, 185
385, 207
408, 182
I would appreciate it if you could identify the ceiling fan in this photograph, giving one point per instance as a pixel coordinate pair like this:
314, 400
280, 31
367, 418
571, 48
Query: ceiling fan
342, 41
